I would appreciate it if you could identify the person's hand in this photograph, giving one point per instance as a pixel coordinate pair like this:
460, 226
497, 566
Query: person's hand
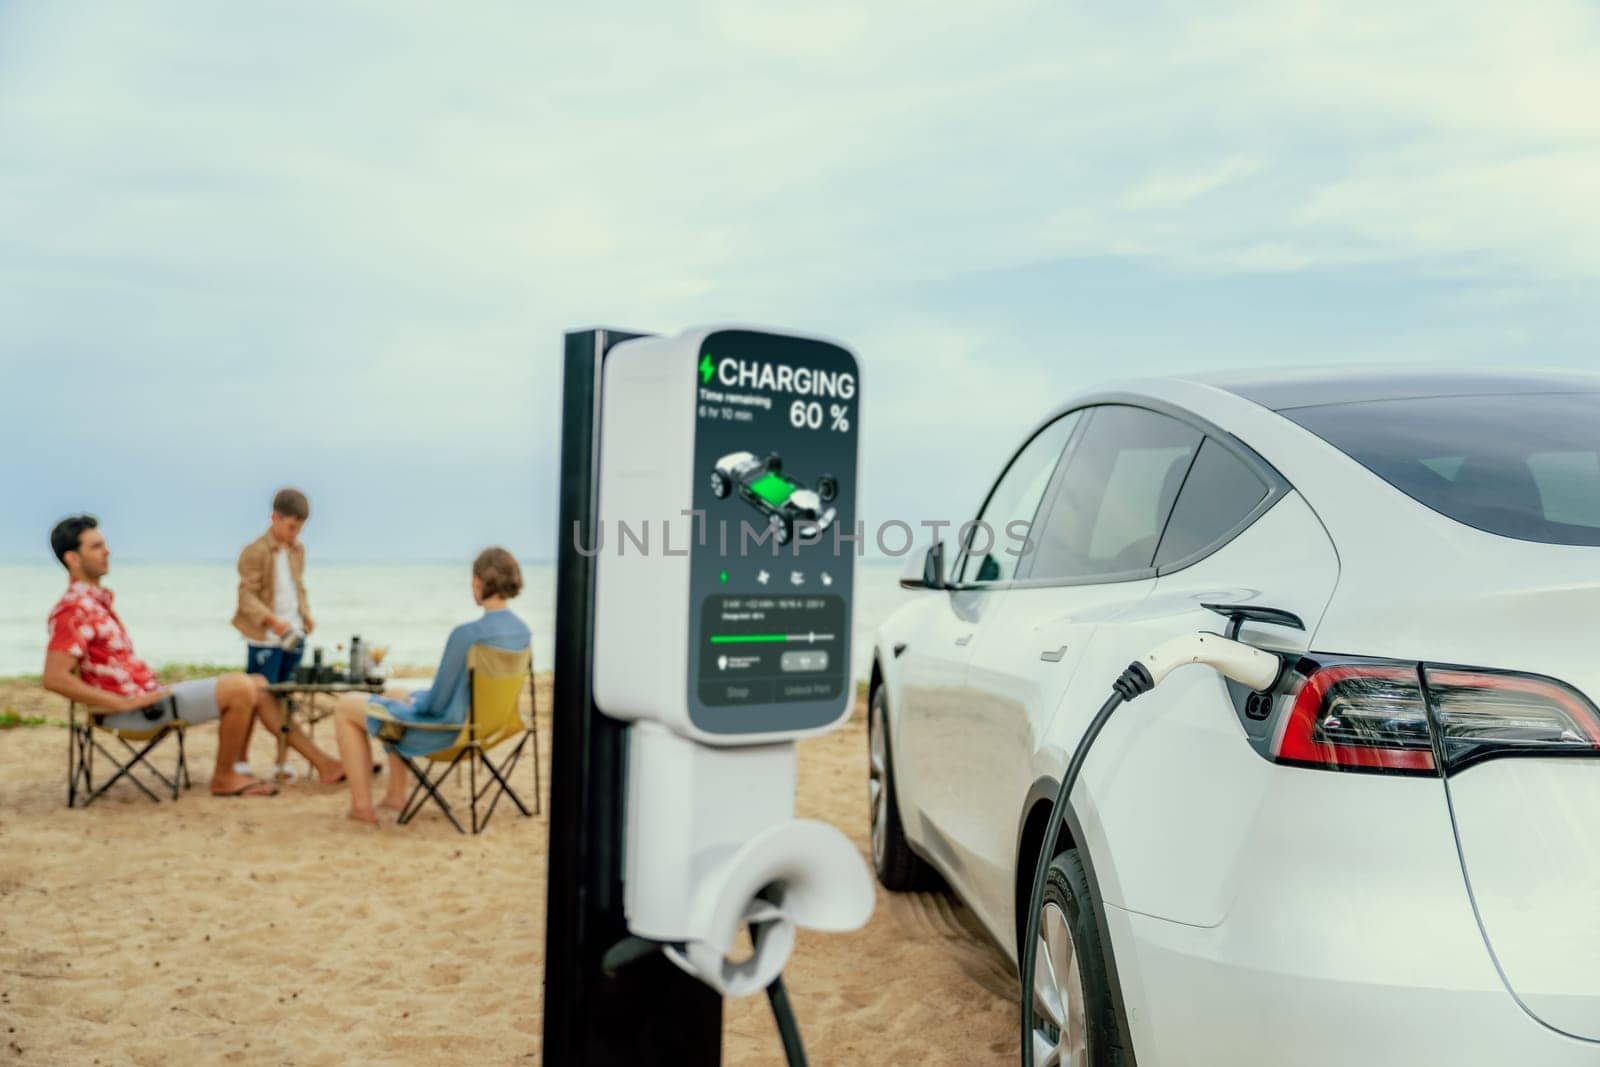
279, 626
307, 627
142, 700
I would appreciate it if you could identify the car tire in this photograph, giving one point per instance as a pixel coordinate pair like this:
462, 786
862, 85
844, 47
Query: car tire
720, 485
1080, 1023
774, 463
827, 488
897, 867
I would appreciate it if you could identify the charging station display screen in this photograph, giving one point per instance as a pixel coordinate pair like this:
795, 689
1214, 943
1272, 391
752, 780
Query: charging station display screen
773, 566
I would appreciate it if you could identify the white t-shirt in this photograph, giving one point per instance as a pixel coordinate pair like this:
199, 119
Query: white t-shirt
285, 598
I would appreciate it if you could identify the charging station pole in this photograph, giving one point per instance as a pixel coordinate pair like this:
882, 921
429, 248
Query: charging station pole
648, 1012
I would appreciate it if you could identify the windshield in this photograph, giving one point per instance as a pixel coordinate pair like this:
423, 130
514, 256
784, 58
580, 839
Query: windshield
1520, 466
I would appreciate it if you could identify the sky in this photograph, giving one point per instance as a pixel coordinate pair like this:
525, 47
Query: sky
336, 245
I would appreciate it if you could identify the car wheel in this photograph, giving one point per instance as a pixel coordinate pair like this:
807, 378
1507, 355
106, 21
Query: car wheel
781, 530
720, 486
1074, 1021
897, 867
827, 488
774, 463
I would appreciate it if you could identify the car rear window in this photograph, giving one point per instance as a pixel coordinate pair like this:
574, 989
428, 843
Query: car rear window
1520, 466
1219, 494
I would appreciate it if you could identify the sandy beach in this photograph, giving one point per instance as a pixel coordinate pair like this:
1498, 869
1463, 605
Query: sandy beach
275, 932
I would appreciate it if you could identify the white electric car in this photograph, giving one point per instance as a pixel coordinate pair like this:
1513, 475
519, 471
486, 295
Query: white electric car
1396, 862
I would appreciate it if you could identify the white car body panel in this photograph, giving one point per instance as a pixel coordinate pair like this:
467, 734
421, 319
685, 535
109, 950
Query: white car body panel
1013, 695
1350, 941
1259, 913
1178, 861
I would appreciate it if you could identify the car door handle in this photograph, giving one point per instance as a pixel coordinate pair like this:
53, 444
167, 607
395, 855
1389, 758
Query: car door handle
964, 640
1053, 655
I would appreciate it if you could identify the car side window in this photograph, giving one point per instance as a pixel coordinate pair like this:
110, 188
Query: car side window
995, 547
1114, 495
1219, 493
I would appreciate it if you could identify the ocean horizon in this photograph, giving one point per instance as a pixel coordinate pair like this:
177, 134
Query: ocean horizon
180, 612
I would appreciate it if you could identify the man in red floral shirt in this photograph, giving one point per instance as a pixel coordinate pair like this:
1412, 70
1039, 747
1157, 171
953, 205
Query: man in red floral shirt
90, 660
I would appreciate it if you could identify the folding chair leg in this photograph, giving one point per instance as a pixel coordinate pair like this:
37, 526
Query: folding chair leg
85, 766
426, 788
125, 770
538, 787
77, 767
473, 755
137, 757
502, 777
183, 764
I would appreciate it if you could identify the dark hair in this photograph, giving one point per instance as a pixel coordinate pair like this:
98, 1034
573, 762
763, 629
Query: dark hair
498, 571
292, 504
68, 534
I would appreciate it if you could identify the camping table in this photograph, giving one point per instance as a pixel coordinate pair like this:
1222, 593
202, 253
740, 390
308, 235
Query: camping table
290, 691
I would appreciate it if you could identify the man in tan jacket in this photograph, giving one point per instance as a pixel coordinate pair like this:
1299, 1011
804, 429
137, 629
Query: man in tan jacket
273, 614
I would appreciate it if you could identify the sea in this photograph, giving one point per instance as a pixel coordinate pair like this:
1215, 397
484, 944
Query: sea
180, 612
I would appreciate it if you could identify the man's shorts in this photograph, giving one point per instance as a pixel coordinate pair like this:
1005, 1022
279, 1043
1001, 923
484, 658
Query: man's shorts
272, 662
193, 702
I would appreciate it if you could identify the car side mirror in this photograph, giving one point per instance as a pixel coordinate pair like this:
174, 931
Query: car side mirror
928, 572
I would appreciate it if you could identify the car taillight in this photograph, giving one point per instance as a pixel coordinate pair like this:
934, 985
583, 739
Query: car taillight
1358, 716
1493, 713
1374, 716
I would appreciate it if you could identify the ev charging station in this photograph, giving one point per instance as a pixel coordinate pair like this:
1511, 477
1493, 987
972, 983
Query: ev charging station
707, 569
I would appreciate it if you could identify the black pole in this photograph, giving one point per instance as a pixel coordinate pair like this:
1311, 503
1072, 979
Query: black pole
649, 1011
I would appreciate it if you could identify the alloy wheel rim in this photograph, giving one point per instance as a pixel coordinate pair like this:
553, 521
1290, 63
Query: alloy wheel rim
1060, 1030
877, 794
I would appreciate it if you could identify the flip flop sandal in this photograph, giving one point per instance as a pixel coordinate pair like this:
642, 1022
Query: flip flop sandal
251, 789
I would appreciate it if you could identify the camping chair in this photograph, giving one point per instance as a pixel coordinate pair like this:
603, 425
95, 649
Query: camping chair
495, 681
83, 741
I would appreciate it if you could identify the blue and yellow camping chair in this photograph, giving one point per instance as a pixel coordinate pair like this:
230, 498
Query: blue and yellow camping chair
494, 717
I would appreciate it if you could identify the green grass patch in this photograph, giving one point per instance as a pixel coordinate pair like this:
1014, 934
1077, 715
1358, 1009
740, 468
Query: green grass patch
168, 673
10, 720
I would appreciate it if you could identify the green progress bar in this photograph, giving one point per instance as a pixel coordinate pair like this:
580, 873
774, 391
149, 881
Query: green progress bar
739, 639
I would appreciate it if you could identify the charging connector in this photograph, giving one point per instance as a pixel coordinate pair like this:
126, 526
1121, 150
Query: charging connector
1249, 666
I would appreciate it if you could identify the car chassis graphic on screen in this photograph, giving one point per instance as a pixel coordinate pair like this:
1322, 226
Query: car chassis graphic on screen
789, 507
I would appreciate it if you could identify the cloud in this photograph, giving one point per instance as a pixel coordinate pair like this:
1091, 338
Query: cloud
1176, 189
365, 226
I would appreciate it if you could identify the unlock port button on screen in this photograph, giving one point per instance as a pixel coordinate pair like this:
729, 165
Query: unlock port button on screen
810, 660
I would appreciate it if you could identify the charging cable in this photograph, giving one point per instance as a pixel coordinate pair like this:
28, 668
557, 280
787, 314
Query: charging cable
794, 1051
633, 948
1253, 667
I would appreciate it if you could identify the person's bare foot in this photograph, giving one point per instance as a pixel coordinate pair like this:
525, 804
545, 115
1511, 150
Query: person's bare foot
369, 816
332, 774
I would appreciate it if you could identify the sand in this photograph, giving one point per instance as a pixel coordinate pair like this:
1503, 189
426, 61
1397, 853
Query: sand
275, 932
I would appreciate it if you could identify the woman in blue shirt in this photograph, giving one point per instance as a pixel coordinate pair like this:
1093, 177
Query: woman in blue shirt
496, 578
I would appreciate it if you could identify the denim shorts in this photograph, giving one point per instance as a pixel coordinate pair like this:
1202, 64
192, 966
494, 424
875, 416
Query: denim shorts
271, 662
192, 702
